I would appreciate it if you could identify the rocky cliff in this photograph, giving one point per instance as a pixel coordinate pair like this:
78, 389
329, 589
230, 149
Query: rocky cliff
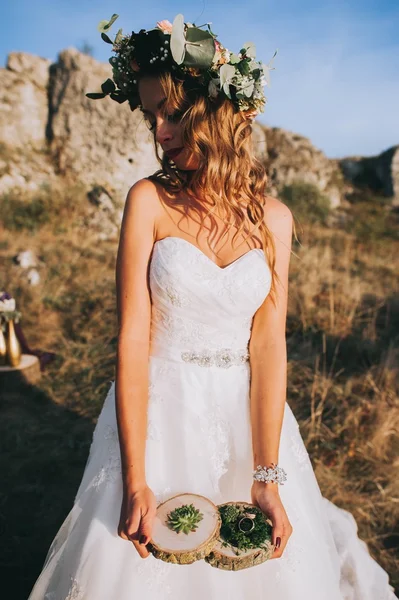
50, 132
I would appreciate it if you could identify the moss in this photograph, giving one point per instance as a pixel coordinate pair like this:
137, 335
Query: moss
232, 535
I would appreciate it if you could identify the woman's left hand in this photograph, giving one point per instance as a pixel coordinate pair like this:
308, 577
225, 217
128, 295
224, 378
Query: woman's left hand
266, 497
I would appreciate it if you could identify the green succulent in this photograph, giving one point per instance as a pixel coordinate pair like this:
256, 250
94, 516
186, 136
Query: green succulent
184, 518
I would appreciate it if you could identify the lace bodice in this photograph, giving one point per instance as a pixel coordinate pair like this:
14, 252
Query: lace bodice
197, 304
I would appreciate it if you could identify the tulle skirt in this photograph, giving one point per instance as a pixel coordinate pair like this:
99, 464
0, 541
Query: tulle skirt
199, 441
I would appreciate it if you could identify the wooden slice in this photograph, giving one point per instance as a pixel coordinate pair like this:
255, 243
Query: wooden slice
27, 372
226, 557
181, 548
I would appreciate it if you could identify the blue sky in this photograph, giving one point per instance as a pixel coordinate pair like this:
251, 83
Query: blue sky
337, 68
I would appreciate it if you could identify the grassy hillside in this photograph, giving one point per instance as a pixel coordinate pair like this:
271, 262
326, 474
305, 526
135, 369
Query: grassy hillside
343, 341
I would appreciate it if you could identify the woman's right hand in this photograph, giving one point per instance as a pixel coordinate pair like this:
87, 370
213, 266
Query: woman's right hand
138, 512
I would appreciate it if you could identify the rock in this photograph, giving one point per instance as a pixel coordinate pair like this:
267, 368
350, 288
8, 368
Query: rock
24, 162
379, 174
33, 277
23, 107
104, 218
26, 259
27, 170
103, 224
97, 141
101, 199
259, 141
292, 157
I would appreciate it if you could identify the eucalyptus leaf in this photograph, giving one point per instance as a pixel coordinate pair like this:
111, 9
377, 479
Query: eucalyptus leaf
226, 72
210, 30
178, 40
106, 38
104, 26
244, 67
200, 48
267, 68
248, 90
95, 96
108, 86
266, 74
234, 58
226, 89
118, 36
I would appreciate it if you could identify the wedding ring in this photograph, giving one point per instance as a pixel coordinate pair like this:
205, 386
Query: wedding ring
248, 527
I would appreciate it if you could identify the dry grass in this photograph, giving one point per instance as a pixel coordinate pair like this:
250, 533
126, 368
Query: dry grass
343, 330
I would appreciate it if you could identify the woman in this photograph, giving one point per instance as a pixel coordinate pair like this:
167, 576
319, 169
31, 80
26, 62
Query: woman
199, 397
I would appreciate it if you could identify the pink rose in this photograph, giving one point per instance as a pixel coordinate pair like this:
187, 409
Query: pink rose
165, 26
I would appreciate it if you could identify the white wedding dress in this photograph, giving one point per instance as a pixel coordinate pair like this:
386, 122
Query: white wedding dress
199, 441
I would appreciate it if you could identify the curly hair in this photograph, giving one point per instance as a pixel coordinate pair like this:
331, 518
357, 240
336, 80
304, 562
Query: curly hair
229, 181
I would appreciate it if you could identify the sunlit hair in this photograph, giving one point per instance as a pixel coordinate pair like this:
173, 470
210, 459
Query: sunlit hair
229, 181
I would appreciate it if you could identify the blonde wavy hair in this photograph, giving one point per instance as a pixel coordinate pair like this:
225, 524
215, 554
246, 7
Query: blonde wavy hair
229, 181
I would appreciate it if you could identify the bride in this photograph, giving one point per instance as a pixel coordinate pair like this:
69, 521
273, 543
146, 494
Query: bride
199, 399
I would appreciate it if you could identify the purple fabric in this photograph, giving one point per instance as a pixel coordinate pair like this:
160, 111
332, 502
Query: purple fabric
43, 356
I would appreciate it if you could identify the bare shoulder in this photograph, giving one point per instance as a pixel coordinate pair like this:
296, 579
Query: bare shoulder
278, 217
144, 192
143, 203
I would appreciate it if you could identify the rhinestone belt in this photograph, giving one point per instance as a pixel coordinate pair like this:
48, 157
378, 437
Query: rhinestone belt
225, 357
221, 357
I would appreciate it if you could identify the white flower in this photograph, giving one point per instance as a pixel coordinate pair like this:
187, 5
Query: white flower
250, 50
6, 305
227, 74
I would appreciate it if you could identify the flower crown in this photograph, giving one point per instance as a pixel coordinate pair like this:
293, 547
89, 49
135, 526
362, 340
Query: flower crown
187, 51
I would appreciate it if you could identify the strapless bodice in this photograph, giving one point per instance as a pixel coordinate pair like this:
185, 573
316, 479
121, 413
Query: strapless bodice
197, 305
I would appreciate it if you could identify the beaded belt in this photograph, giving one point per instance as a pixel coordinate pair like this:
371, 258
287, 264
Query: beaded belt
223, 357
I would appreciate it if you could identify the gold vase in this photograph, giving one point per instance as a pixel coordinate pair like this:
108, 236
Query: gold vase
13, 346
3, 347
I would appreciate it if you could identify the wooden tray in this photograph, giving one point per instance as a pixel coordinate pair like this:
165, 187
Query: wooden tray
226, 558
181, 548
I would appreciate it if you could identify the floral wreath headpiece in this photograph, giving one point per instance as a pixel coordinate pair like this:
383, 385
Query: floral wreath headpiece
185, 50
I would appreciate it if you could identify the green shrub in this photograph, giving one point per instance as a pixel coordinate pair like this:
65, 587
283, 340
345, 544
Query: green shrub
25, 211
17, 214
372, 221
367, 196
306, 202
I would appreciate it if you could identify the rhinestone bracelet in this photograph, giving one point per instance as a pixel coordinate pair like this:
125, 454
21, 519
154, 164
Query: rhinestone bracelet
273, 474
